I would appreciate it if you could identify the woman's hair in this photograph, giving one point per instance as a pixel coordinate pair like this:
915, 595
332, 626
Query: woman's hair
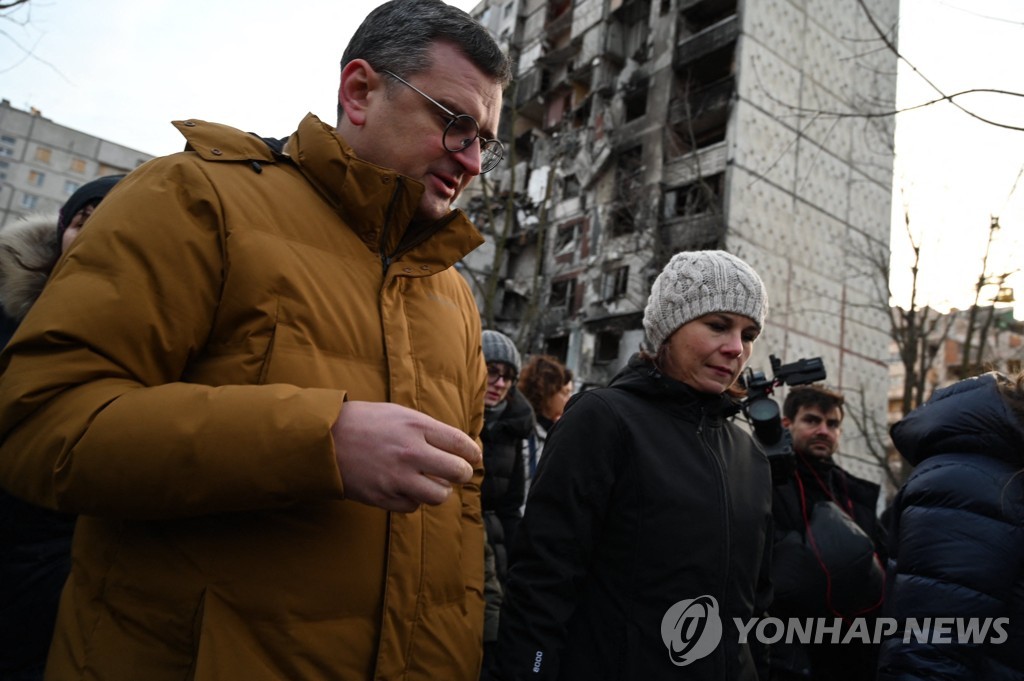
542, 377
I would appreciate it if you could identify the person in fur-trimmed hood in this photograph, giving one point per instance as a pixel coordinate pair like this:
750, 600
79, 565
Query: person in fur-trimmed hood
28, 251
35, 543
30, 247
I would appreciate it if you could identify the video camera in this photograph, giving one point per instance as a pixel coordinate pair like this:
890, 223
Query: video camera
763, 412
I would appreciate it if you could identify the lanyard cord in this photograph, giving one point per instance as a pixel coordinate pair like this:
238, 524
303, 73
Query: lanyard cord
817, 553
847, 505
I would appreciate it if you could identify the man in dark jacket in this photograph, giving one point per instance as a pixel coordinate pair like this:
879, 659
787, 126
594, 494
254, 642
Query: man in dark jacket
825, 564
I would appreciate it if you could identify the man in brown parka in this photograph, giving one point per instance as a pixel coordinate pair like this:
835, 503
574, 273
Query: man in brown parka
258, 380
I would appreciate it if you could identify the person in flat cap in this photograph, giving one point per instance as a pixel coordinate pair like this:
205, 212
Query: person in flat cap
35, 543
648, 527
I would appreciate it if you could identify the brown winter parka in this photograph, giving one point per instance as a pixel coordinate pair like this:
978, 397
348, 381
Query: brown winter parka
176, 383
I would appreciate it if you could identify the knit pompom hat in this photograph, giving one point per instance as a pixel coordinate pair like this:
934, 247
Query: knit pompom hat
696, 283
499, 348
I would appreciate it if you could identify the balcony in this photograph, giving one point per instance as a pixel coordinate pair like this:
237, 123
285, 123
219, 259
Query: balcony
692, 48
703, 101
694, 232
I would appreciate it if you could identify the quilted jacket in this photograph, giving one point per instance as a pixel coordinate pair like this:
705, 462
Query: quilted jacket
176, 383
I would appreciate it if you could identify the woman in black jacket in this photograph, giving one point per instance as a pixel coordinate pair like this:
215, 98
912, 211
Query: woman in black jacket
957, 534
649, 523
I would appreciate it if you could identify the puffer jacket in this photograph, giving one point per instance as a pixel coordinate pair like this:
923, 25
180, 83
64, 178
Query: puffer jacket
646, 496
957, 536
504, 481
176, 384
35, 543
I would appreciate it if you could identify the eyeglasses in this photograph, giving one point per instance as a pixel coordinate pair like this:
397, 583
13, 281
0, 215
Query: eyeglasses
494, 373
461, 131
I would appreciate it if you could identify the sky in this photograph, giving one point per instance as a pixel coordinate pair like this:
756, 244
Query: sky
123, 69
953, 173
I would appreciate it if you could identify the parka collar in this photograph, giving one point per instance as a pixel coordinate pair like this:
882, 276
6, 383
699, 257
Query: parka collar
378, 203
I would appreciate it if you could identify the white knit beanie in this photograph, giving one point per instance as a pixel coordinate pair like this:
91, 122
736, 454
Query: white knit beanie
696, 283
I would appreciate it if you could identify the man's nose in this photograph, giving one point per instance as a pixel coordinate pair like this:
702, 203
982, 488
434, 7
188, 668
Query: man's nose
469, 157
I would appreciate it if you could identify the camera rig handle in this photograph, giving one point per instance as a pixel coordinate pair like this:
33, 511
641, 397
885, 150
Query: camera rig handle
763, 413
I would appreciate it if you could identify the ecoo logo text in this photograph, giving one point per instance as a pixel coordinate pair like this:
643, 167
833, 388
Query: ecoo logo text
691, 629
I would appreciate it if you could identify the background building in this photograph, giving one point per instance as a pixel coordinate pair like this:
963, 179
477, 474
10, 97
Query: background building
42, 163
638, 128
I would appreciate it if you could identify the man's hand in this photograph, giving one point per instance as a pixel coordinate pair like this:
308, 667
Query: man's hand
398, 458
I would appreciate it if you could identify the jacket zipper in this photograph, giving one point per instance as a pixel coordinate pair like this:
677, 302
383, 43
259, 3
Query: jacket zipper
406, 246
726, 507
386, 258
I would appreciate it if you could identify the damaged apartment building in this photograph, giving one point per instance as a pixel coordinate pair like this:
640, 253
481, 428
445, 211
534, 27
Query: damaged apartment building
638, 128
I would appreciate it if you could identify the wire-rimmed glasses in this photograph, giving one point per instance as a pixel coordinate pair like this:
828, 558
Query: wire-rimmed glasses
462, 130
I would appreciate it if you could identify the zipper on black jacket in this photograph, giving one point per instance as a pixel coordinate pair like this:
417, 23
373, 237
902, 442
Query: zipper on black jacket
726, 503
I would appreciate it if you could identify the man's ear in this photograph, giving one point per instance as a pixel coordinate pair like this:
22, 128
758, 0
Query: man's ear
358, 80
786, 422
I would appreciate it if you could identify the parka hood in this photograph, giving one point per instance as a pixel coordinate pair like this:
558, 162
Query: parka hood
28, 249
966, 417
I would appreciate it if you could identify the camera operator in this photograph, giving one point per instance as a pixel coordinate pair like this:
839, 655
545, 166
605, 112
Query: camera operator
827, 538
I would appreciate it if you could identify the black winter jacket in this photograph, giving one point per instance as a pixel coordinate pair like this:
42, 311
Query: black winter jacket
957, 535
646, 496
808, 584
504, 485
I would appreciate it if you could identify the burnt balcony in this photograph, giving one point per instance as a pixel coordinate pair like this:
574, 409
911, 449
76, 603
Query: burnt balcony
711, 39
702, 102
556, 26
692, 232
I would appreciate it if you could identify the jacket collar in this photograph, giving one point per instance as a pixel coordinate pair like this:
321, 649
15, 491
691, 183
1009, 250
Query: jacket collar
642, 377
378, 203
